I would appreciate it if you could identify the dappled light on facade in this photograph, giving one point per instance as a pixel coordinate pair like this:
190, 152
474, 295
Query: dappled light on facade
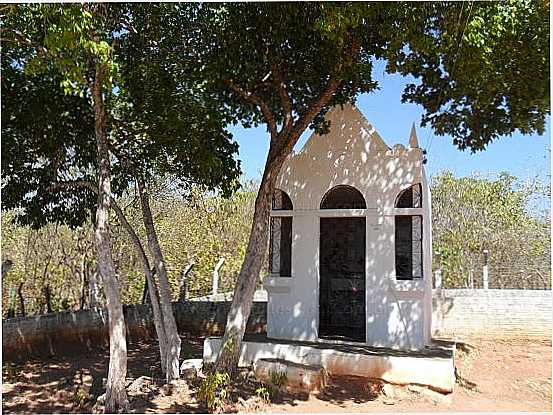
360, 240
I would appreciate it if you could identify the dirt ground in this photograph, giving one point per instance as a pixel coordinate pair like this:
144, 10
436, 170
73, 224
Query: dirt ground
492, 375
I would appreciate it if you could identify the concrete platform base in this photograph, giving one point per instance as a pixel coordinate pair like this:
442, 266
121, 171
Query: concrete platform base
299, 377
432, 367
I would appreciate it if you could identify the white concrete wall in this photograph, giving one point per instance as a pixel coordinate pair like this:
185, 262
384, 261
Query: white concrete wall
492, 313
398, 312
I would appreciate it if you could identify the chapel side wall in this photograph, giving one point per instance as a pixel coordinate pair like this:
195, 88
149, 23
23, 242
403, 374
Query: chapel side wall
427, 258
293, 302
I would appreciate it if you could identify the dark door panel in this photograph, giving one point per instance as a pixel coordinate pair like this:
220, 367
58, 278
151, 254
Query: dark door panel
342, 279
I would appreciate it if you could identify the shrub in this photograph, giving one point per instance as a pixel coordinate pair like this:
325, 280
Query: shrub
213, 392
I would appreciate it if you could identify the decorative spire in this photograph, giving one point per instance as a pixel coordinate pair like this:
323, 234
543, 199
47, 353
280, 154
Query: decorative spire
413, 141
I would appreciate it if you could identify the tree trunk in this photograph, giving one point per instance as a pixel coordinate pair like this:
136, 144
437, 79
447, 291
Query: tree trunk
173, 339
21, 300
145, 293
11, 302
84, 283
239, 312
281, 146
150, 286
47, 298
116, 395
93, 289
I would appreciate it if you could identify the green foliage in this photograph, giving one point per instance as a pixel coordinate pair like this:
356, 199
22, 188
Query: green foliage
201, 229
54, 257
80, 397
472, 214
214, 392
261, 47
277, 381
71, 37
41, 130
481, 69
264, 393
10, 372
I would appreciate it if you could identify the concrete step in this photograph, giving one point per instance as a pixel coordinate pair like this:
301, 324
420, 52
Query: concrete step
294, 377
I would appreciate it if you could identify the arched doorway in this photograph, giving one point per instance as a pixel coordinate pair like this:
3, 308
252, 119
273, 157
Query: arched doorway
342, 253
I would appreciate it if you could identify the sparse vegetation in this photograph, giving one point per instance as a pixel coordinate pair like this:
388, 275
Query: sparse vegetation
214, 391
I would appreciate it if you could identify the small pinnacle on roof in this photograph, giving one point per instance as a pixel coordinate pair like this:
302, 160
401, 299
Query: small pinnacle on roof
413, 141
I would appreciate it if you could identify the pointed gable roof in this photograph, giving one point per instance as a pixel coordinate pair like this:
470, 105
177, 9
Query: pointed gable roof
346, 122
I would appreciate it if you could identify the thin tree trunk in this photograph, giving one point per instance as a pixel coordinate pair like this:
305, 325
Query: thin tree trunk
116, 395
47, 298
242, 300
145, 294
21, 300
11, 302
152, 290
184, 282
93, 289
173, 339
83, 283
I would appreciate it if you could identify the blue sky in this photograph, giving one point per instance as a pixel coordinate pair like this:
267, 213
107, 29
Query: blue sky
522, 156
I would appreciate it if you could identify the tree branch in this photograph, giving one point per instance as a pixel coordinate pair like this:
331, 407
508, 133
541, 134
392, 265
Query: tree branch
324, 97
115, 206
22, 40
74, 184
254, 99
284, 98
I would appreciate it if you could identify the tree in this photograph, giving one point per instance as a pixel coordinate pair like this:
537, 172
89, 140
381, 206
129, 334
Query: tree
285, 65
77, 42
168, 127
473, 214
155, 128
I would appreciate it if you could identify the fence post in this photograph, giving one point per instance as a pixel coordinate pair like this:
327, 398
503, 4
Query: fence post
215, 286
438, 273
184, 282
485, 275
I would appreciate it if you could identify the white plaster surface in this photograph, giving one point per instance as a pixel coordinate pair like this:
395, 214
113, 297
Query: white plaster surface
398, 313
435, 372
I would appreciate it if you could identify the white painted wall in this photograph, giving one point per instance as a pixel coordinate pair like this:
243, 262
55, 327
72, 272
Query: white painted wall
398, 312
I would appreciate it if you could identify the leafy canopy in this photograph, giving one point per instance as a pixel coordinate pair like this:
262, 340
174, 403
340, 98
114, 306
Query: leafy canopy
48, 133
481, 69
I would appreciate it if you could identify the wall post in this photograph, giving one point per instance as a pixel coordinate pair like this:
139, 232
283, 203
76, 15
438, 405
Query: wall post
485, 275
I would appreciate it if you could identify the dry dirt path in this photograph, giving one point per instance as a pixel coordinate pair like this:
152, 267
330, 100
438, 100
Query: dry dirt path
499, 375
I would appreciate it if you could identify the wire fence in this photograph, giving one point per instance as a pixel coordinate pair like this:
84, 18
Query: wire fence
503, 272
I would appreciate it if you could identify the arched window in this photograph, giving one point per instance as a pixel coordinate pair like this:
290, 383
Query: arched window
280, 245
343, 197
408, 235
281, 201
410, 197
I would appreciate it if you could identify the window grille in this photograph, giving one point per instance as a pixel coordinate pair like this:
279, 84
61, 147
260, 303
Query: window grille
410, 197
343, 197
281, 201
280, 244
408, 235
408, 247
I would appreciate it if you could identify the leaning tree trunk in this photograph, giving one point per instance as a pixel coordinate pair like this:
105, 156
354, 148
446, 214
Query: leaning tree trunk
173, 339
281, 146
116, 395
242, 300
150, 286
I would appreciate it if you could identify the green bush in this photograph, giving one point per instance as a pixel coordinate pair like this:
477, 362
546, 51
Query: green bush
213, 392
